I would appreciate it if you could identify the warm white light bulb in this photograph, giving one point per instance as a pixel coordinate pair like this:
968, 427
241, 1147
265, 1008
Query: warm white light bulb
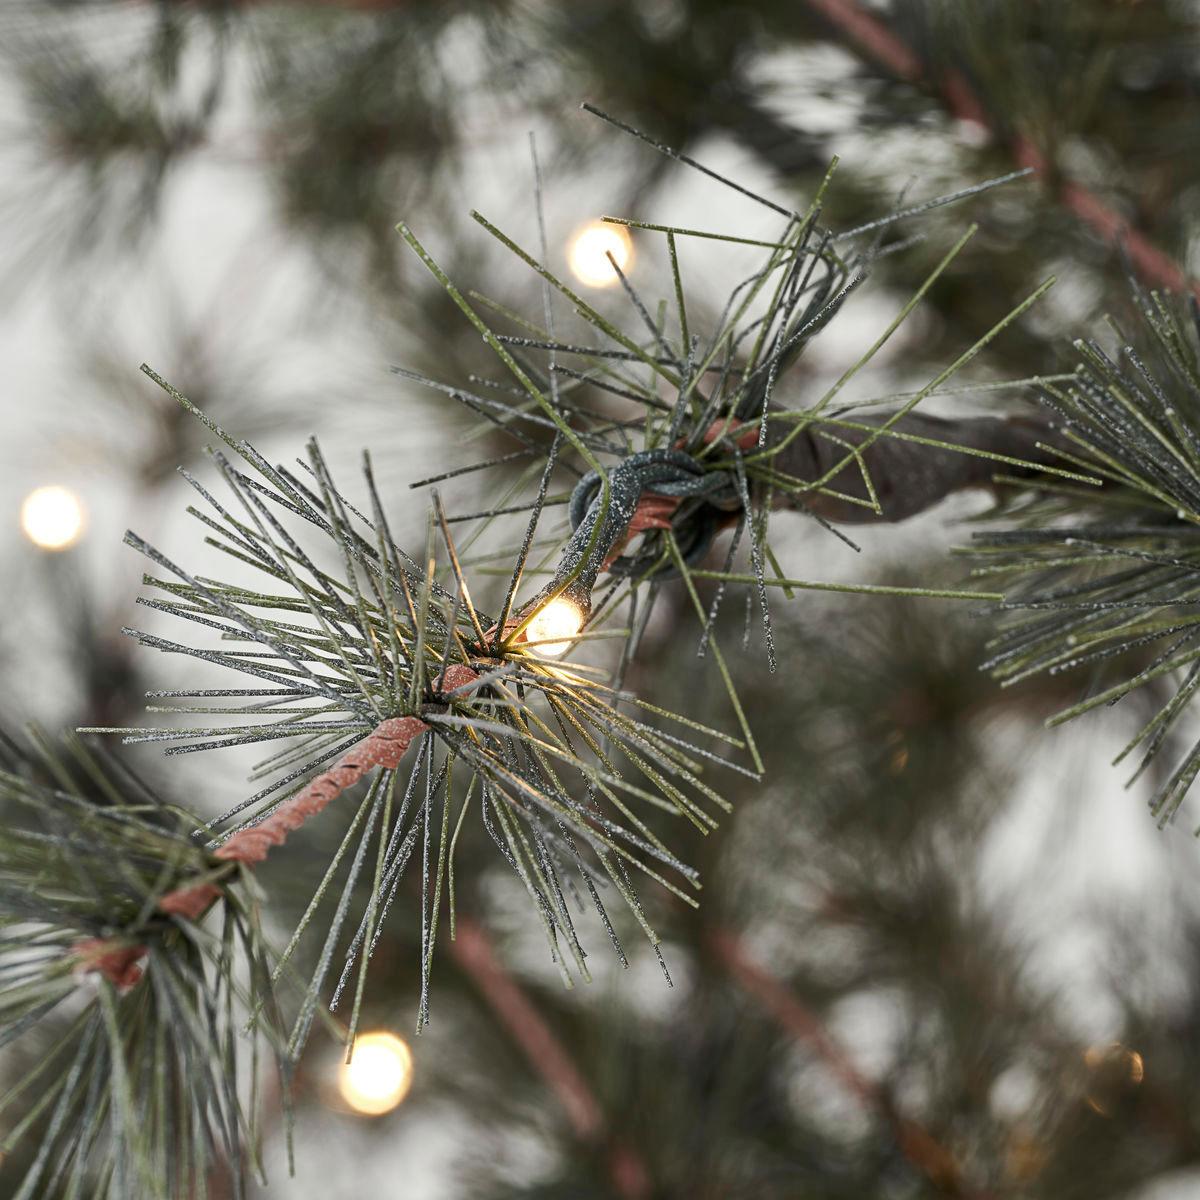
52, 518
378, 1076
559, 619
590, 249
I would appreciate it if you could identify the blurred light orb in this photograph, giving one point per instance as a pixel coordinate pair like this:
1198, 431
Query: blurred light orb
1137, 1068
1114, 1068
379, 1075
52, 518
589, 252
559, 619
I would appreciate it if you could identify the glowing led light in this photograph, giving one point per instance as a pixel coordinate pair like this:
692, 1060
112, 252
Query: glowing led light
559, 619
589, 254
52, 518
379, 1075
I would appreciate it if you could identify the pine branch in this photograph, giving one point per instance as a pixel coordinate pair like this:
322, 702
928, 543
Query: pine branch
138, 1093
925, 459
391, 665
933, 1160
880, 43
1102, 581
721, 448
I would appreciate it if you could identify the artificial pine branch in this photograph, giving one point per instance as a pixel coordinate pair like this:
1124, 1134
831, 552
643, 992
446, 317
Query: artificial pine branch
140, 1092
1102, 580
473, 693
711, 445
362, 666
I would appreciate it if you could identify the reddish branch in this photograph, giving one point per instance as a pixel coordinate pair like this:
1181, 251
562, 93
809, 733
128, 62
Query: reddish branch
727, 425
871, 35
914, 1142
383, 747
529, 1030
119, 964
190, 901
457, 675
881, 43
546, 1054
652, 512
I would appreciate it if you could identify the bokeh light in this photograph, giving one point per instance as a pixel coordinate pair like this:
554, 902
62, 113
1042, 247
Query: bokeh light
1115, 1069
52, 518
559, 619
589, 252
379, 1075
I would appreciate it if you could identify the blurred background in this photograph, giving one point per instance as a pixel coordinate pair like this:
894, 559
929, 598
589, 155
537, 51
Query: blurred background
941, 950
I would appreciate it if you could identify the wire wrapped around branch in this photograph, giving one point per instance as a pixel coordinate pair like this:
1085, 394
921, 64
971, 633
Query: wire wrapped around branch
669, 489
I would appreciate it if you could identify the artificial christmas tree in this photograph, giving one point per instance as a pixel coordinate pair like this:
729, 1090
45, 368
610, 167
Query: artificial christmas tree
699, 451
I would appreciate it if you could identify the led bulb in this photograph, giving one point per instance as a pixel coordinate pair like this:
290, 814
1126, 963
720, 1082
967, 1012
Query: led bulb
378, 1076
589, 254
559, 619
52, 518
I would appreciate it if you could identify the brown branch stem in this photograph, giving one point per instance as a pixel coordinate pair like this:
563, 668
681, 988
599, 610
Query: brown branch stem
384, 746
546, 1054
879, 42
118, 962
909, 477
191, 901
